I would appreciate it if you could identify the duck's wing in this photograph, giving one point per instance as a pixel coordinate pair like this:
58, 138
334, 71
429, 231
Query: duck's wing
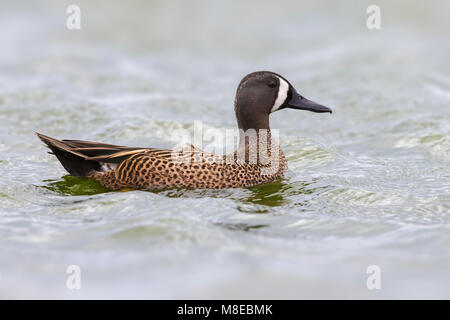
80, 158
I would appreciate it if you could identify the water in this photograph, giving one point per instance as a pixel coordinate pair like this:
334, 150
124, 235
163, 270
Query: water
368, 185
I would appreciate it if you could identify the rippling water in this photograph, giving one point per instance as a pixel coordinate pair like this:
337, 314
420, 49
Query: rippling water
368, 185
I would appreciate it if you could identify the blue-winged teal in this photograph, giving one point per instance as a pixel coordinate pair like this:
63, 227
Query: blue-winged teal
258, 95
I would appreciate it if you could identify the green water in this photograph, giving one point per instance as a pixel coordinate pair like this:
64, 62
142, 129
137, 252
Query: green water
367, 185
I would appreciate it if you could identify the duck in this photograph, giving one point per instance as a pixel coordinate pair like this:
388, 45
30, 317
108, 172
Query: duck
257, 160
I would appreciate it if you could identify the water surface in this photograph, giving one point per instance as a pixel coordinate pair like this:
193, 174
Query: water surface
368, 185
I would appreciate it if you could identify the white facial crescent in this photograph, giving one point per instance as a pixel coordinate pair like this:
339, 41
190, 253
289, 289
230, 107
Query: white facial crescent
282, 95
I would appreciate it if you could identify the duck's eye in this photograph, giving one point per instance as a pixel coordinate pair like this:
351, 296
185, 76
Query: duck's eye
272, 84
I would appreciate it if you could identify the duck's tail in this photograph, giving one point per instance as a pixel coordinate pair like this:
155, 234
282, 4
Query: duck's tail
72, 161
83, 158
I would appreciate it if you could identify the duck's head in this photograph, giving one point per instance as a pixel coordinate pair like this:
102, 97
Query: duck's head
263, 92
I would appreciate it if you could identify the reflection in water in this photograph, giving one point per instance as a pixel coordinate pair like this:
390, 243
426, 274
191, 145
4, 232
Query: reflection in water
253, 199
241, 226
75, 186
278, 193
271, 194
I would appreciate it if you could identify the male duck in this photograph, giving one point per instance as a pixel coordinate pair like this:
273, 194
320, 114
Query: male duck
256, 161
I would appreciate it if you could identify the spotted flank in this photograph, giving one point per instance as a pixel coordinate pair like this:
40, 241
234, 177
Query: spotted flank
119, 167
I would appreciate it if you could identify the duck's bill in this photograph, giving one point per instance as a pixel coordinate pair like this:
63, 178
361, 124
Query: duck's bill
298, 102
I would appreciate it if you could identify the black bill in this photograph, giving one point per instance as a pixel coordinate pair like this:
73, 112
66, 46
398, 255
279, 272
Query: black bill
296, 101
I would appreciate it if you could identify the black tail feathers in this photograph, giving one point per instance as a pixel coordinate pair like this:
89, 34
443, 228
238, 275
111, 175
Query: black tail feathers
74, 163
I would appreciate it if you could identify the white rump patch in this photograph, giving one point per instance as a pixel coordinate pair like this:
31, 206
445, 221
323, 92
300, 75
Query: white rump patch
282, 95
107, 166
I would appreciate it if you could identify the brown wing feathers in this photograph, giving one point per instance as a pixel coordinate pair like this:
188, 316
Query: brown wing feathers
80, 158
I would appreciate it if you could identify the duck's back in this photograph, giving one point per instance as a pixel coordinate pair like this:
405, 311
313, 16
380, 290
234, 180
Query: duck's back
195, 169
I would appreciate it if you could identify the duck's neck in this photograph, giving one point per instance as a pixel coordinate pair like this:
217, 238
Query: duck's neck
257, 146
256, 142
252, 136
251, 124
246, 120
